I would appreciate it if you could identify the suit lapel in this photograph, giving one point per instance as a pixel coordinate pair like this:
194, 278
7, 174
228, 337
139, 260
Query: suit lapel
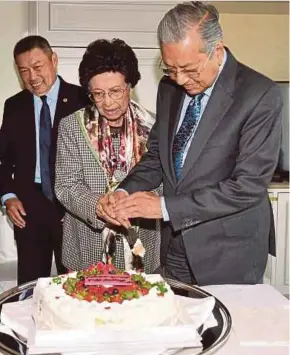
28, 103
175, 110
217, 106
29, 130
61, 109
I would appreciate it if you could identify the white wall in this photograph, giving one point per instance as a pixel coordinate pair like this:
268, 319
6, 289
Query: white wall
13, 26
248, 32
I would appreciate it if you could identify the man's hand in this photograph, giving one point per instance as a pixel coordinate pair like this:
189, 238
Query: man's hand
105, 208
15, 211
113, 200
116, 196
139, 204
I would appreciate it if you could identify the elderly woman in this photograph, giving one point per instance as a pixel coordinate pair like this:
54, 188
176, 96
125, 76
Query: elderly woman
97, 147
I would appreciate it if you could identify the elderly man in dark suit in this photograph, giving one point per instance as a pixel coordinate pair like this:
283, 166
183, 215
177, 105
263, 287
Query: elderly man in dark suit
214, 146
28, 135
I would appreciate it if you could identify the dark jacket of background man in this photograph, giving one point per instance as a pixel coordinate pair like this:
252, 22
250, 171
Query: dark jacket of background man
39, 234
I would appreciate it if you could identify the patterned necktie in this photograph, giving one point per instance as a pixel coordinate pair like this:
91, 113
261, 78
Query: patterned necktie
44, 148
185, 132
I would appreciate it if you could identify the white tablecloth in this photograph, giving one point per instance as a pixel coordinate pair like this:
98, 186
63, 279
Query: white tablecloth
260, 317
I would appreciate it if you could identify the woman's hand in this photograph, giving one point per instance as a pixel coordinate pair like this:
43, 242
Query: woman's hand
106, 205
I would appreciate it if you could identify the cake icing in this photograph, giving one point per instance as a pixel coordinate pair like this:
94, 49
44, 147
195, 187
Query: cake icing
104, 296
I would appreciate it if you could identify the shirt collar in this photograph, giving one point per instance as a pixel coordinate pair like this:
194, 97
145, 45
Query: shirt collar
209, 90
52, 94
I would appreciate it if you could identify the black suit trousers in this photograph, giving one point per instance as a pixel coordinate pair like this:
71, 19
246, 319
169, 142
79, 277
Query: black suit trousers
176, 265
38, 240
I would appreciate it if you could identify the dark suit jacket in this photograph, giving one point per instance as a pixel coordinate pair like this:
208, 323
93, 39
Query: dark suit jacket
220, 205
18, 145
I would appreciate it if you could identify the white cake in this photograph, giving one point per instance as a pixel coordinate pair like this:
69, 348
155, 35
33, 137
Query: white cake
56, 310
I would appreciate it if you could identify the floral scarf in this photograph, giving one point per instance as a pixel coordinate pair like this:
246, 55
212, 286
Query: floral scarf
133, 137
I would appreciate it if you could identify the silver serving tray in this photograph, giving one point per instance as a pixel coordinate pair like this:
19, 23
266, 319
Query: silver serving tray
212, 339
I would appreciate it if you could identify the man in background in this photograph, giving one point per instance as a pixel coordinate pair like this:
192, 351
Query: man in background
215, 146
28, 149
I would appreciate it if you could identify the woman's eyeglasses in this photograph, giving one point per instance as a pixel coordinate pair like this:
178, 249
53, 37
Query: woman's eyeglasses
116, 93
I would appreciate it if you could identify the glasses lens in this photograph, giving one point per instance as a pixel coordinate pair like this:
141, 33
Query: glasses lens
192, 74
117, 94
96, 96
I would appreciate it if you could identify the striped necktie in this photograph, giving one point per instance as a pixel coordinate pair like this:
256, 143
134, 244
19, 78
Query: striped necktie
185, 131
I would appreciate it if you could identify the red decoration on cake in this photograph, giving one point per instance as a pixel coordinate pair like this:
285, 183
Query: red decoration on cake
104, 282
109, 280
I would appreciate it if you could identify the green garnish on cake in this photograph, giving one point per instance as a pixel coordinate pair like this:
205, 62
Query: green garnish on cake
104, 282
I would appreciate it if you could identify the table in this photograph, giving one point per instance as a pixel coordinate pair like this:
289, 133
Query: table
260, 317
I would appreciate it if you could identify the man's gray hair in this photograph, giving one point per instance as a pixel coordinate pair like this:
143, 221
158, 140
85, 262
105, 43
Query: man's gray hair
176, 22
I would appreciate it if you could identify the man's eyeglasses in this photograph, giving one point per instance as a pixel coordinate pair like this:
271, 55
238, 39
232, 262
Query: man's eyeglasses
115, 93
192, 73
